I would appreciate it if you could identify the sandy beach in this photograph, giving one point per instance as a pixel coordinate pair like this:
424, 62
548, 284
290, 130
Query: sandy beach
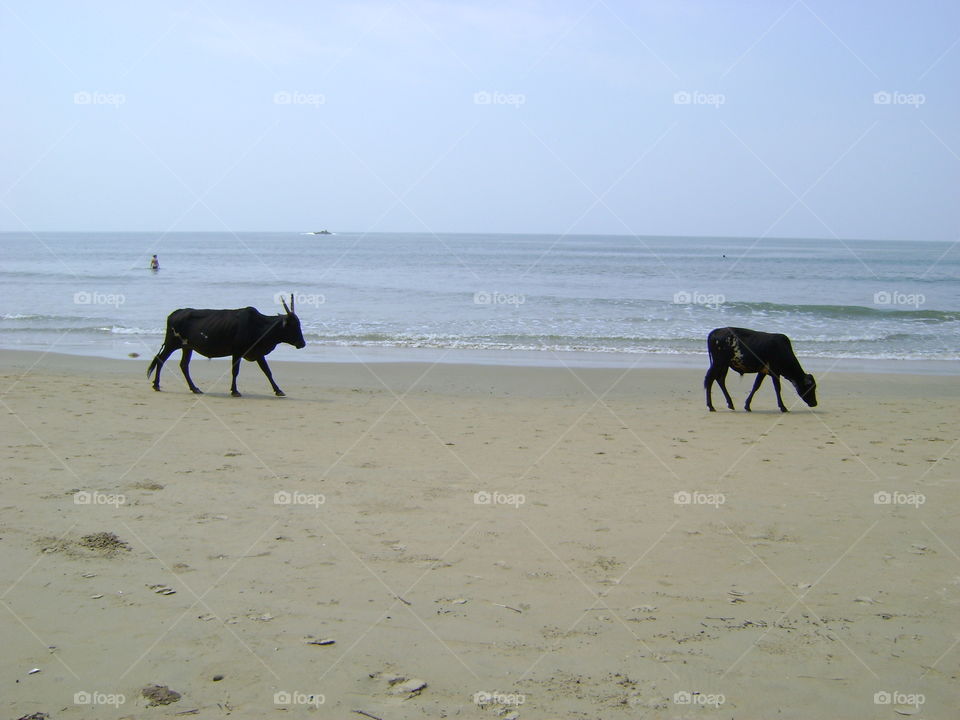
476, 542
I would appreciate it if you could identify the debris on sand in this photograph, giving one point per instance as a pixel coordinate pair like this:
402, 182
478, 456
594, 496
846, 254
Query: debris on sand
147, 485
311, 640
106, 543
159, 695
161, 589
398, 684
407, 686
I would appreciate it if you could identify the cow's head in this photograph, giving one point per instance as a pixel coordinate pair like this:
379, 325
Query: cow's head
290, 325
807, 389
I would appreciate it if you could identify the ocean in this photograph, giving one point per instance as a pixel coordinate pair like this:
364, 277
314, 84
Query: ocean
497, 298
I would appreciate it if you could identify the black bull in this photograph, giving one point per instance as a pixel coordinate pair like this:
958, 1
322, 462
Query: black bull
243, 333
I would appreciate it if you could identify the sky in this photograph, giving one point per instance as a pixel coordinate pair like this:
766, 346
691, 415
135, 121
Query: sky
779, 118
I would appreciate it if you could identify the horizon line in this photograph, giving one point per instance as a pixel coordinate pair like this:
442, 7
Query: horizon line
464, 232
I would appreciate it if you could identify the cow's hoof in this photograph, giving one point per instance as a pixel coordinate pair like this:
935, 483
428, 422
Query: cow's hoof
156, 388
235, 393
711, 409
747, 408
783, 409
280, 393
196, 391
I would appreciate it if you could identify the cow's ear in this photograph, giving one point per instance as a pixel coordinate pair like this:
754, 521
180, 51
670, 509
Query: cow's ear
284, 321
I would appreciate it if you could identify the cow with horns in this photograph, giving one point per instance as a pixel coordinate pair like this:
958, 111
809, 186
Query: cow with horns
241, 334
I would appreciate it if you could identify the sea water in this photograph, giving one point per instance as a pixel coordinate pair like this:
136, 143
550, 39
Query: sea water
499, 296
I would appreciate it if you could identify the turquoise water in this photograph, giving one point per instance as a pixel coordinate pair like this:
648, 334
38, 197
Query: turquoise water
93, 292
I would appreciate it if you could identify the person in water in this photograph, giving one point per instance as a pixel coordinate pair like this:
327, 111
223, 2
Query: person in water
154, 263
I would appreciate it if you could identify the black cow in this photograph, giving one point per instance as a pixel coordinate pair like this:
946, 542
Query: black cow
751, 351
243, 333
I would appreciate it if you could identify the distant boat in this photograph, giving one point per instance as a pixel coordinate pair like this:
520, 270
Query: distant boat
321, 232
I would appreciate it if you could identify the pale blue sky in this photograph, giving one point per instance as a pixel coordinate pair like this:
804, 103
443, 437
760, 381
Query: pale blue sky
370, 116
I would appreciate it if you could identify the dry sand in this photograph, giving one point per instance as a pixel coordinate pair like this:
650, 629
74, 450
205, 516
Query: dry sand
585, 588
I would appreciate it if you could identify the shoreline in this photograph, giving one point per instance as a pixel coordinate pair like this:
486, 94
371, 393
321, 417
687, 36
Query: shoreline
579, 360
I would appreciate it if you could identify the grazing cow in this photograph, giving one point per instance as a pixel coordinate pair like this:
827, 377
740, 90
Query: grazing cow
243, 333
751, 351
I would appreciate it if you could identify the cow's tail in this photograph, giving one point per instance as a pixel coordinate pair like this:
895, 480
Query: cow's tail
711, 342
155, 363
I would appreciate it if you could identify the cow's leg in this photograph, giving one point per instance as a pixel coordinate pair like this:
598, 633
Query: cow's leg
722, 382
776, 387
161, 357
716, 373
262, 362
708, 386
185, 369
756, 386
235, 369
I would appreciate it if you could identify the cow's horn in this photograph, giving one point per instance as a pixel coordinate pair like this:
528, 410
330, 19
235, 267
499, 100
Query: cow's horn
285, 304
291, 303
